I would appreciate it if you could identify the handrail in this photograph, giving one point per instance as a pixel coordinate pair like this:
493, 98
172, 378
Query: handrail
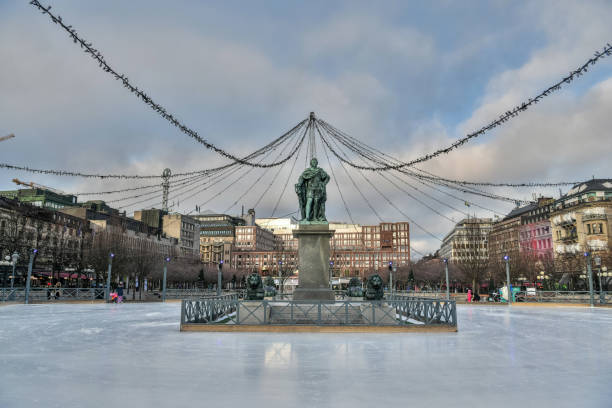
394, 311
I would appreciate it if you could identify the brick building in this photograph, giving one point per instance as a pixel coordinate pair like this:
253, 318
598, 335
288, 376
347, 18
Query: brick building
355, 249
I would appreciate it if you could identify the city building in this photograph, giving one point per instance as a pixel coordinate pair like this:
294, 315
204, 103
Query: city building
355, 250
580, 223
468, 241
184, 228
535, 232
152, 217
505, 233
59, 238
41, 197
217, 235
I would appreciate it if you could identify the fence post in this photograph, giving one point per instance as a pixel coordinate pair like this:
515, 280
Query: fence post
108, 277
30, 265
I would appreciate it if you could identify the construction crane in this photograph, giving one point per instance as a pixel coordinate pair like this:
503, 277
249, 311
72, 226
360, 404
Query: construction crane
31, 184
3, 138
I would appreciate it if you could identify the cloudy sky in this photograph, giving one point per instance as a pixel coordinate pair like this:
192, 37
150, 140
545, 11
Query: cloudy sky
407, 79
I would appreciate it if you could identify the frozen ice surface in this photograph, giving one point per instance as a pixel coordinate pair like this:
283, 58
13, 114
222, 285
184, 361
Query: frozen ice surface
132, 355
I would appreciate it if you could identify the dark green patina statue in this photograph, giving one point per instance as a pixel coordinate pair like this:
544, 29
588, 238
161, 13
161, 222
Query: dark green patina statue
374, 288
269, 288
354, 288
311, 193
255, 290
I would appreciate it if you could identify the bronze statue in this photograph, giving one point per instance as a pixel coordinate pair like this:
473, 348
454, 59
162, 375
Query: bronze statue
355, 288
311, 193
255, 290
374, 288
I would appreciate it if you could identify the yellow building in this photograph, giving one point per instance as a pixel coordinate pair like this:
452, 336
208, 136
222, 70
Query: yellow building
581, 223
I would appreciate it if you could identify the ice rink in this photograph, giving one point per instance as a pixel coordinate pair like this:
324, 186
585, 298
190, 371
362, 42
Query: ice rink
133, 355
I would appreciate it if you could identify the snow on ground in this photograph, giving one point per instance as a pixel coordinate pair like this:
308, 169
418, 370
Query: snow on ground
132, 355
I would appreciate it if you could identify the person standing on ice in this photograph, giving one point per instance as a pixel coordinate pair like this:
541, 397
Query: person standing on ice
469, 296
120, 293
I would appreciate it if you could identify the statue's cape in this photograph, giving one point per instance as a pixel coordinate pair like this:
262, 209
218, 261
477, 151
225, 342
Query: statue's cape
310, 173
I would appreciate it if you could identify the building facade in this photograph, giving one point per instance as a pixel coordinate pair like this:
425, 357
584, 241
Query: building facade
355, 250
535, 232
186, 229
60, 239
217, 235
468, 241
40, 197
580, 222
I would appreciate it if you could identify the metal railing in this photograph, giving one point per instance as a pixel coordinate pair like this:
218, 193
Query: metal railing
602, 297
50, 294
195, 293
397, 311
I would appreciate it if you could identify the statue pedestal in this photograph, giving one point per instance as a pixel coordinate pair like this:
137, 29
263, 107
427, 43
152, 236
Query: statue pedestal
313, 262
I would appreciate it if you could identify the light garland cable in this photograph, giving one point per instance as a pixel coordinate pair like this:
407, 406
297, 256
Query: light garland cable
265, 191
391, 203
504, 117
378, 157
324, 145
256, 182
382, 158
286, 182
295, 150
99, 58
71, 173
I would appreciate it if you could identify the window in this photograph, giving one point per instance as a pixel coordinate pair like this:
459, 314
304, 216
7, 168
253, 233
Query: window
589, 231
597, 228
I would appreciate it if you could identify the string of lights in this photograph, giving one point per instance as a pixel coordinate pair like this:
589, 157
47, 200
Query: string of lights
325, 145
380, 193
90, 193
265, 191
288, 178
378, 157
70, 173
503, 118
256, 182
140, 94
241, 176
382, 158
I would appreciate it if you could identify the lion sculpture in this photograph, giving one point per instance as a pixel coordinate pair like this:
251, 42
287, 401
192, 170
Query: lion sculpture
354, 288
374, 288
255, 289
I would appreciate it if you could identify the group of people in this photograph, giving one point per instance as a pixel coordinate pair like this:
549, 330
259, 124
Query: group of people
472, 297
117, 295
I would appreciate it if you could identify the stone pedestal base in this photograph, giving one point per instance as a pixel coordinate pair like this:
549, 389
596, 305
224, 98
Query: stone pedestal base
314, 294
313, 262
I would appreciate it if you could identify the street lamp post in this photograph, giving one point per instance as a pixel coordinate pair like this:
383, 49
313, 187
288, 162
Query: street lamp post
391, 277
280, 278
446, 273
601, 294
507, 259
108, 276
590, 275
15, 259
219, 277
30, 265
164, 281
331, 267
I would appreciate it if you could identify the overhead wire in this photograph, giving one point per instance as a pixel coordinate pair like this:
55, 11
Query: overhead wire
289, 177
503, 118
325, 145
158, 108
256, 182
385, 196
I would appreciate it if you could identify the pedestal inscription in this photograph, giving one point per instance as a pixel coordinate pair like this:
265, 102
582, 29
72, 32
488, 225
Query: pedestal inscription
313, 262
